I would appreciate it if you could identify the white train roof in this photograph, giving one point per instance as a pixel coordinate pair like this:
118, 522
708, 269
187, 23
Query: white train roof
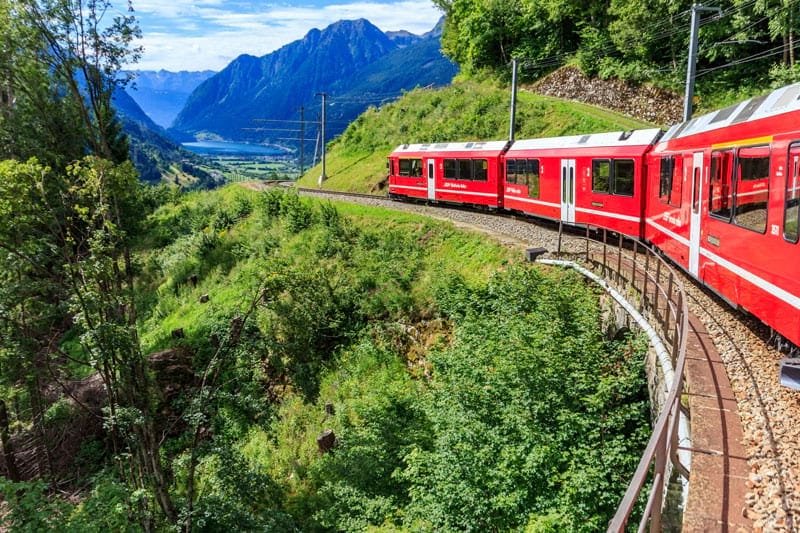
777, 102
476, 146
594, 140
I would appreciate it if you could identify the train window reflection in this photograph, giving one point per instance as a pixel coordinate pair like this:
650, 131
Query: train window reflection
623, 177
411, 167
752, 188
601, 174
720, 198
450, 171
791, 215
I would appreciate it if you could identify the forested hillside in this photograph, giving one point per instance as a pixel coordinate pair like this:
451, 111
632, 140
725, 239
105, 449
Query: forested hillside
743, 49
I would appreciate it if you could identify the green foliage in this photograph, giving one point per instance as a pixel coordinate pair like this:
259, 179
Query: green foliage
510, 439
29, 508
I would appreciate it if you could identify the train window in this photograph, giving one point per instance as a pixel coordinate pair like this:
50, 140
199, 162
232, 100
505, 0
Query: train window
665, 181
533, 178
752, 188
416, 168
411, 167
522, 172
511, 171
720, 198
601, 173
405, 167
791, 213
677, 183
450, 169
623, 177
480, 169
465, 169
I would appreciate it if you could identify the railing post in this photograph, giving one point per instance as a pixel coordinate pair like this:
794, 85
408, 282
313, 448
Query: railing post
619, 261
668, 310
657, 292
587, 243
633, 269
646, 277
660, 468
605, 246
560, 230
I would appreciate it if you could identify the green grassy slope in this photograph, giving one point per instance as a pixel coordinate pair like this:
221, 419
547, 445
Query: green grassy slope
464, 111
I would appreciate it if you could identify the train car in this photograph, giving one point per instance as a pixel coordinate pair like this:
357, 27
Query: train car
458, 173
595, 179
724, 203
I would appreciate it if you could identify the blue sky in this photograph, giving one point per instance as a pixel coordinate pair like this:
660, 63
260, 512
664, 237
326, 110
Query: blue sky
208, 34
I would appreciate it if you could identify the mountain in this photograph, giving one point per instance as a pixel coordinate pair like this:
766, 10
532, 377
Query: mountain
402, 38
156, 156
162, 94
354, 61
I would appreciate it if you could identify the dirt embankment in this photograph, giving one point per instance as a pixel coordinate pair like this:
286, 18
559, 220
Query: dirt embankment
643, 102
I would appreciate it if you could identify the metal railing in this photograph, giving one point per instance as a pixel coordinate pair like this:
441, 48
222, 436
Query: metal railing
640, 272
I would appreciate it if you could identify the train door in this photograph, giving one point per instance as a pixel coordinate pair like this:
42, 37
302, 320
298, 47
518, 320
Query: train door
694, 216
568, 190
431, 179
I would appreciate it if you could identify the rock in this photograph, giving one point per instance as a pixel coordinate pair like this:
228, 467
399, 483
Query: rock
326, 441
204, 298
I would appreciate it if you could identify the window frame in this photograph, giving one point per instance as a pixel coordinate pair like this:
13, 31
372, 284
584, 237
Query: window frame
479, 173
608, 178
737, 175
670, 160
732, 184
795, 173
454, 169
614, 177
511, 177
529, 174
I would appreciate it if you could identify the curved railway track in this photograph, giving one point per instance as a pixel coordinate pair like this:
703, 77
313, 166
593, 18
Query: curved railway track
770, 413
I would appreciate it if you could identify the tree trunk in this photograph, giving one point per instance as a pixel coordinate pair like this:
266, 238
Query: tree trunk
8, 449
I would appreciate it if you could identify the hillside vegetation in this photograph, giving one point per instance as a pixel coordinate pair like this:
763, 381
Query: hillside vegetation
435, 357
465, 111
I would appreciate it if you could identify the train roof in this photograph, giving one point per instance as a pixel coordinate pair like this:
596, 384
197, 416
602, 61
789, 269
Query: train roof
777, 102
475, 146
594, 140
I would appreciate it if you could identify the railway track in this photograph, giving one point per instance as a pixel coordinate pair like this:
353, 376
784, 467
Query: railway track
770, 413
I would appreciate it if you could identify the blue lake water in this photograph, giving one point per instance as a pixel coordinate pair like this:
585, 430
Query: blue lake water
231, 148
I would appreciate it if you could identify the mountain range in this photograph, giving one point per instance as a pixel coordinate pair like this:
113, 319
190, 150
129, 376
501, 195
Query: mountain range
156, 156
256, 98
162, 94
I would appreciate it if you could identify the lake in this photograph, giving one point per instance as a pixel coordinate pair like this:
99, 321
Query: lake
232, 148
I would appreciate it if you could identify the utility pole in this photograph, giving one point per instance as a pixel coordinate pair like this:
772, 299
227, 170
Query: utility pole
513, 100
323, 176
690, 70
316, 149
302, 138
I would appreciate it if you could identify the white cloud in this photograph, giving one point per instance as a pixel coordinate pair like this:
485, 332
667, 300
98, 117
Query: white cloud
207, 36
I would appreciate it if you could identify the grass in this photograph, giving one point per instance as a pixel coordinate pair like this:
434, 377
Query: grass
464, 111
236, 261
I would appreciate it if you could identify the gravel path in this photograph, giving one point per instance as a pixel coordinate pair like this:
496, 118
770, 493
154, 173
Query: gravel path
770, 413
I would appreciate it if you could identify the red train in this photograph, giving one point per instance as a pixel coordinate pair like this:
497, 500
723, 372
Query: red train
719, 194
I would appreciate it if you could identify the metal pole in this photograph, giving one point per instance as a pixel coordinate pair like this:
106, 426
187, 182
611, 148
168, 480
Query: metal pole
690, 69
323, 176
513, 100
302, 138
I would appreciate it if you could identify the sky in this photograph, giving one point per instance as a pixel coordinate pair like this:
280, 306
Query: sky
208, 34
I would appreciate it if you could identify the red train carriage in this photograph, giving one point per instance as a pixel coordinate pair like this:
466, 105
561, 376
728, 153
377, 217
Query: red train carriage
582, 179
463, 173
724, 200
